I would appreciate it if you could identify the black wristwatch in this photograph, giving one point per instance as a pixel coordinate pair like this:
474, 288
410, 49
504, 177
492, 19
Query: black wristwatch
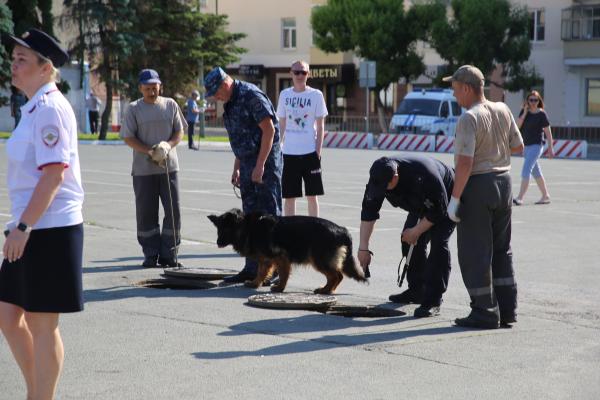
24, 227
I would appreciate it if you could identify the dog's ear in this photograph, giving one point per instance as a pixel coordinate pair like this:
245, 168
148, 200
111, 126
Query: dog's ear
214, 219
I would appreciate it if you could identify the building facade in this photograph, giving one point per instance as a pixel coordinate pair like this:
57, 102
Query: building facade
565, 38
279, 33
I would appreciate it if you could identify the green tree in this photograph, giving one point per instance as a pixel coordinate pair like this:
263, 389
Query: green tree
107, 37
29, 14
378, 30
6, 27
176, 38
487, 34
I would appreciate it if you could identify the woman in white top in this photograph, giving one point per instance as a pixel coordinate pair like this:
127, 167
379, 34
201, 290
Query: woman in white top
40, 275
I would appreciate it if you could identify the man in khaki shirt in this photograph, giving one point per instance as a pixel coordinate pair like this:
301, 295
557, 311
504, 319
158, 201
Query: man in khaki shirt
486, 135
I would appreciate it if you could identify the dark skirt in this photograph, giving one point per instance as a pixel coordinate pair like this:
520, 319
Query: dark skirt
48, 278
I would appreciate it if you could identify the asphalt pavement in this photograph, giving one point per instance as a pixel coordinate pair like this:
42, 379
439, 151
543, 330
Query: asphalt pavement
133, 342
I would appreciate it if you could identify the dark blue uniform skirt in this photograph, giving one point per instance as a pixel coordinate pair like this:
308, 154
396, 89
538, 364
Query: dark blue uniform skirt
48, 276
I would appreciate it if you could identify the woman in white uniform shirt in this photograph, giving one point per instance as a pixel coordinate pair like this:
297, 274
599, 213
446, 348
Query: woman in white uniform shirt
41, 272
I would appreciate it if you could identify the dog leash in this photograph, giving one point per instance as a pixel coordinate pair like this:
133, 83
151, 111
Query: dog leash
406, 265
175, 249
236, 192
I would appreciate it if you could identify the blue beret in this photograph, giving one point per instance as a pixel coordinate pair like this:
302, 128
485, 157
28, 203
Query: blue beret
43, 44
213, 80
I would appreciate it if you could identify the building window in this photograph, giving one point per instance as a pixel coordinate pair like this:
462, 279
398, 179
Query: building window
593, 97
581, 23
537, 25
288, 28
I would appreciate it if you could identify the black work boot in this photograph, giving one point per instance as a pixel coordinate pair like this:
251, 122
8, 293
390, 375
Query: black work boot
168, 263
150, 262
472, 321
409, 296
243, 276
424, 311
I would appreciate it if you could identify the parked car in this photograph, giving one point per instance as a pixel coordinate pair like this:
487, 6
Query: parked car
428, 112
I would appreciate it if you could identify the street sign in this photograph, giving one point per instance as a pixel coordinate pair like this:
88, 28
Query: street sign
367, 74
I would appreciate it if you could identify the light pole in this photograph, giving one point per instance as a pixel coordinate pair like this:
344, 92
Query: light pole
202, 90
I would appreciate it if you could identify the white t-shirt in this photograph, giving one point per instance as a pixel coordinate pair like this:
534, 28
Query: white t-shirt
300, 110
46, 134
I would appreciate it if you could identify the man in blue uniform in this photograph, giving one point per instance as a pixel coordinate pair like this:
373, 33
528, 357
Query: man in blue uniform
253, 129
421, 186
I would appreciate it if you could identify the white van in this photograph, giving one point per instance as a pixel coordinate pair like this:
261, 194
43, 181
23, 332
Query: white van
427, 112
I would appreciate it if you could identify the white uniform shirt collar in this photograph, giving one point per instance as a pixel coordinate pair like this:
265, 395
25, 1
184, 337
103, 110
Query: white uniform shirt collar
48, 87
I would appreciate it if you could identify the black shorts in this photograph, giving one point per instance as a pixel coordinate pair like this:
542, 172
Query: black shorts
296, 168
48, 276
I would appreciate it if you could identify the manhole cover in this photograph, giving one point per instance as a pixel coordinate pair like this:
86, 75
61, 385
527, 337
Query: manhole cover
209, 274
362, 311
175, 284
294, 301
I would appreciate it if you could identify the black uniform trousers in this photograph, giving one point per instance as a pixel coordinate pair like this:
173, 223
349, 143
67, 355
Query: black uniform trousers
190, 134
148, 190
429, 273
484, 251
264, 197
94, 115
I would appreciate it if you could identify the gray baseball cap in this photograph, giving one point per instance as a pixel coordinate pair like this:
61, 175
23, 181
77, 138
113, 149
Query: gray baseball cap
468, 74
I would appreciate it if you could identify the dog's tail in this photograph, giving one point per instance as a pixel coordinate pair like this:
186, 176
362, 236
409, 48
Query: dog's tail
349, 266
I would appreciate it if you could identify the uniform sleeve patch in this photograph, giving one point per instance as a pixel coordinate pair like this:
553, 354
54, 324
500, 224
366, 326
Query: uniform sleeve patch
50, 135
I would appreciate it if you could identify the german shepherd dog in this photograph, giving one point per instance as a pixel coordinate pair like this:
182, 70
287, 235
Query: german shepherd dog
279, 242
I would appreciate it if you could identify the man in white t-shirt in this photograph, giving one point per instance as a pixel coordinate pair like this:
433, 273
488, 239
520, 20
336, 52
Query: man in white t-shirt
301, 111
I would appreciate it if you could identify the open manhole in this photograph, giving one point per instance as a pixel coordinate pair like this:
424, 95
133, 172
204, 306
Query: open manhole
175, 283
207, 274
320, 303
362, 311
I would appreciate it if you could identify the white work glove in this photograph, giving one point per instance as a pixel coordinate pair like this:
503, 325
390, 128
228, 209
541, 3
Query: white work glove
160, 152
453, 209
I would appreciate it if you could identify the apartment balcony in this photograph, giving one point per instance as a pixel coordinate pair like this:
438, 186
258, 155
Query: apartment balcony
580, 32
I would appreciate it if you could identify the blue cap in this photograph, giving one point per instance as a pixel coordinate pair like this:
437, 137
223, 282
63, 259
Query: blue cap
42, 43
213, 80
381, 173
148, 76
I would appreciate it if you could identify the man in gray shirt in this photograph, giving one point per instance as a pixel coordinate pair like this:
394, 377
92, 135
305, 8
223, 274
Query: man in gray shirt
153, 126
481, 200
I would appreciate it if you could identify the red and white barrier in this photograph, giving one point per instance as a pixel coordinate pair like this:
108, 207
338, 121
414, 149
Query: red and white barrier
444, 144
568, 149
348, 140
430, 143
408, 142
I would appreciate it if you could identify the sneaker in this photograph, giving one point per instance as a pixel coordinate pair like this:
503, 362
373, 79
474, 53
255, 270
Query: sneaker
168, 263
473, 322
507, 320
150, 262
517, 202
424, 311
407, 297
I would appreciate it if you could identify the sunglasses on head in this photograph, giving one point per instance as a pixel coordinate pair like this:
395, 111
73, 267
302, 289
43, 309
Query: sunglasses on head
533, 100
295, 72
